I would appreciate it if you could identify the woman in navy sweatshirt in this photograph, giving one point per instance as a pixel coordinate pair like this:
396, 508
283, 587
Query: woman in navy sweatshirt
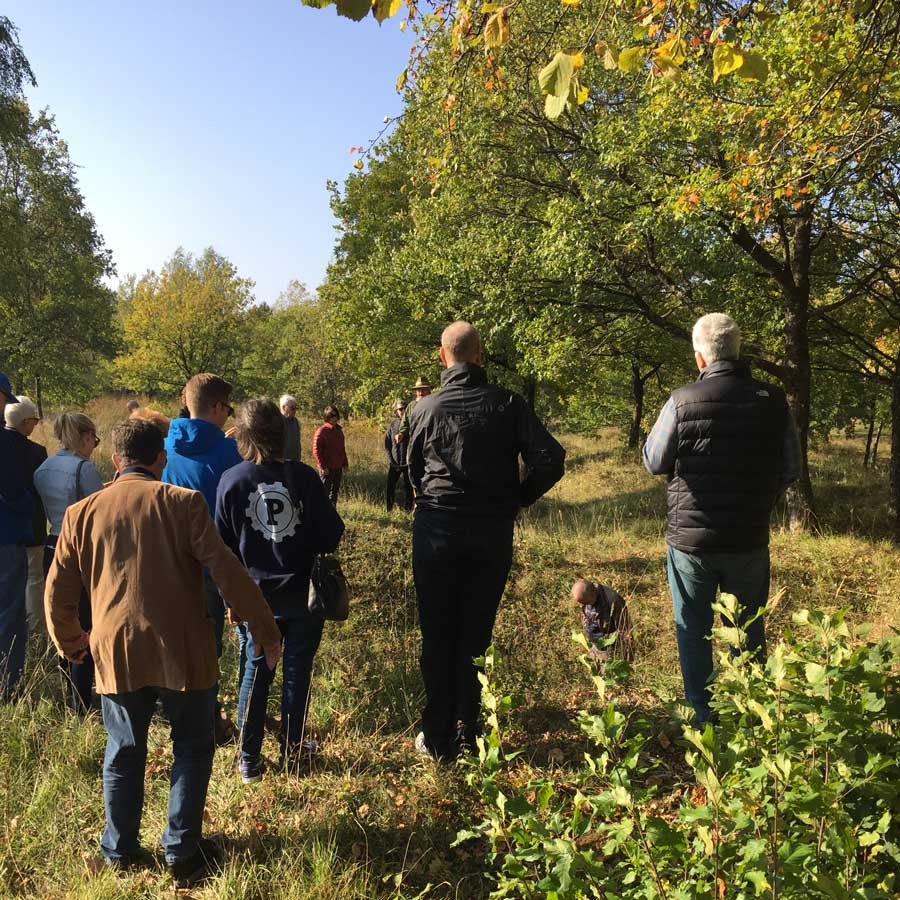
275, 515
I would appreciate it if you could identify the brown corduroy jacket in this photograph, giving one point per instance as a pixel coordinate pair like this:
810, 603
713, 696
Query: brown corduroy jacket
139, 548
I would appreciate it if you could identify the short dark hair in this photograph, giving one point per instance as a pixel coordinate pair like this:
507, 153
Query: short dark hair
137, 442
331, 411
204, 391
259, 430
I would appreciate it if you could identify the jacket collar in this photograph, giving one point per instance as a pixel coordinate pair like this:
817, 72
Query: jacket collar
133, 473
736, 368
463, 373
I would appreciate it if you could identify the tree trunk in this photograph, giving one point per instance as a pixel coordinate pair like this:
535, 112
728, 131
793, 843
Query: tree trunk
867, 458
637, 396
877, 441
895, 448
531, 391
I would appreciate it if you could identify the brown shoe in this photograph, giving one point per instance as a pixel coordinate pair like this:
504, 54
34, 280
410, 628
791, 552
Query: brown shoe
225, 732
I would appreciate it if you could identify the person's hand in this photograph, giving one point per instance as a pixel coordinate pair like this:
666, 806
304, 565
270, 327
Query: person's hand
230, 432
233, 617
323, 472
78, 656
398, 438
271, 652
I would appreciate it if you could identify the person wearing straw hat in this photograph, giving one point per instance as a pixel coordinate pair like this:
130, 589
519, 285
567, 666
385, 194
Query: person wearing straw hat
422, 388
396, 453
16, 511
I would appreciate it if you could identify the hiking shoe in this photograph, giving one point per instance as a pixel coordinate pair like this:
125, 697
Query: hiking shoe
205, 859
251, 772
142, 859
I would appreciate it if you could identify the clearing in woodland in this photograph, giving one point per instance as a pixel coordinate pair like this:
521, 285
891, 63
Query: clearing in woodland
369, 817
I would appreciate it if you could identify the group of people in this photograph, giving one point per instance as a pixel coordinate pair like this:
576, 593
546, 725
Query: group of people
199, 525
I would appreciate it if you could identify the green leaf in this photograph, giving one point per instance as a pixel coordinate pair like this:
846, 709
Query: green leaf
555, 79
402, 78
632, 59
496, 30
759, 881
353, 9
831, 888
815, 674
754, 66
727, 58
384, 9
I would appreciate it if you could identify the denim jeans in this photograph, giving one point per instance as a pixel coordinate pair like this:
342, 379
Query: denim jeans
694, 579
127, 720
81, 675
301, 636
13, 623
460, 567
215, 607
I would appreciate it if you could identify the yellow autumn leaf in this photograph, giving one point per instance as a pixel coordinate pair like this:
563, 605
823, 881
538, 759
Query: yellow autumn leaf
571, 2
577, 60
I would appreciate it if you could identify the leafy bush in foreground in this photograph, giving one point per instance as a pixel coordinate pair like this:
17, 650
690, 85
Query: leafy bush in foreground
797, 789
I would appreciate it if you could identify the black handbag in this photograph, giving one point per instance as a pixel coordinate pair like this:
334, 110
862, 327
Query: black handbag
329, 594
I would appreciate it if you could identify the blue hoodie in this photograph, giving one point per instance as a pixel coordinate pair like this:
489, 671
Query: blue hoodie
198, 454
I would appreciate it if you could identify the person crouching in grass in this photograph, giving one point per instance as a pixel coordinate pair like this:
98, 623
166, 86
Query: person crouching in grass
276, 517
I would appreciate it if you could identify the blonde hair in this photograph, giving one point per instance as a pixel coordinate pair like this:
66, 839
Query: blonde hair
69, 427
154, 418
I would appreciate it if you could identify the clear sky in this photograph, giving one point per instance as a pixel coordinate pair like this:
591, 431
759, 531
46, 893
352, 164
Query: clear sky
212, 122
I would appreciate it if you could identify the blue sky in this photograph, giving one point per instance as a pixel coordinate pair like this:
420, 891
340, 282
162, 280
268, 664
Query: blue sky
197, 123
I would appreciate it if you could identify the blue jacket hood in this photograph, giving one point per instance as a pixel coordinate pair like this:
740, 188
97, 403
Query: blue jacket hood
193, 437
198, 454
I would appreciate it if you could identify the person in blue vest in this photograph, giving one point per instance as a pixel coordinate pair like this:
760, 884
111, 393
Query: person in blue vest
198, 452
728, 445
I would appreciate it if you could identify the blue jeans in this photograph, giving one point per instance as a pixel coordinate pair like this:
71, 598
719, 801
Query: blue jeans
215, 607
13, 622
694, 579
127, 720
300, 640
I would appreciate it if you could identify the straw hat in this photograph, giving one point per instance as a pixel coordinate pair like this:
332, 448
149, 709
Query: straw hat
422, 383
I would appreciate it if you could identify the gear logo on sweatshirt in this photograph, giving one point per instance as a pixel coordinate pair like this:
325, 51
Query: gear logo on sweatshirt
272, 512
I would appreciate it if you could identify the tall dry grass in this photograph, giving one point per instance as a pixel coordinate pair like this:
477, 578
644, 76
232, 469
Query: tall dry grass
370, 818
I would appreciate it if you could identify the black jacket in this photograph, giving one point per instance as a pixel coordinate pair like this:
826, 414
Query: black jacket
276, 517
731, 433
396, 452
465, 443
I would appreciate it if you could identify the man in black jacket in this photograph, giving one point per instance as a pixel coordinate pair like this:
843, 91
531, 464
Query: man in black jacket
463, 457
729, 447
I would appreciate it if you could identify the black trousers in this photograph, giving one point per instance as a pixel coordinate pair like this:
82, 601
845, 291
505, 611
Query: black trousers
460, 567
395, 474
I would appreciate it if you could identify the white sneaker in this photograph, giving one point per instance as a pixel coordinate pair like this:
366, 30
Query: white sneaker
420, 744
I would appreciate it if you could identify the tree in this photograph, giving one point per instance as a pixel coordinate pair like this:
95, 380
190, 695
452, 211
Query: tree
58, 317
189, 318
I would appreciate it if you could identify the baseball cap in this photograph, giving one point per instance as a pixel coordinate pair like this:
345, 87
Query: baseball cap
6, 388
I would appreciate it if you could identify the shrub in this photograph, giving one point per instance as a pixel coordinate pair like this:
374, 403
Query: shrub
796, 795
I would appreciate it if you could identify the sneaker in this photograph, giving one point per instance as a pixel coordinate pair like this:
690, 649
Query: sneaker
421, 746
206, 858
251, 772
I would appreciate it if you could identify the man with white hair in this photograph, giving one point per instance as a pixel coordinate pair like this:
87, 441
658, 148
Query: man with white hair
729, 446
288, 406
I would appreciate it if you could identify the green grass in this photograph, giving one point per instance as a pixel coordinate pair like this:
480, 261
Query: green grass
371, 819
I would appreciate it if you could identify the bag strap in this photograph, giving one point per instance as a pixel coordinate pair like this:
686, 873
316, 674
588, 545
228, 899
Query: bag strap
78, 494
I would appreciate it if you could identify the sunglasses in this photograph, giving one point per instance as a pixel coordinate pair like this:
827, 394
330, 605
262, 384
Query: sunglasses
96, 437
229, 407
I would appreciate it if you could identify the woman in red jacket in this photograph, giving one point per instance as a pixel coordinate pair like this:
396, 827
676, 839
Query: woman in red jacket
329, 452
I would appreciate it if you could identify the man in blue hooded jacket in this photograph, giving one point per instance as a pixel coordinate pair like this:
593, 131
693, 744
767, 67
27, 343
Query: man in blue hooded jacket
198, 454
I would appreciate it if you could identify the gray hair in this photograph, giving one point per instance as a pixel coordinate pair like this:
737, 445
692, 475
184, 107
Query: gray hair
716, 337
285, 399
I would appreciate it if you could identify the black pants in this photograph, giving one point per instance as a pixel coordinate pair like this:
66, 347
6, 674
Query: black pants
460, 567
332, 482
395, 474
81, 675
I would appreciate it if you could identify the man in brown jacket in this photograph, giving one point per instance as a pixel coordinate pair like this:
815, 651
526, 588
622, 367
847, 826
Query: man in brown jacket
139, 548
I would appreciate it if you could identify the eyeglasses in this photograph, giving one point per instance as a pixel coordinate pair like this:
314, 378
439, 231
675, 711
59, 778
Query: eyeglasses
96, 437
228, 407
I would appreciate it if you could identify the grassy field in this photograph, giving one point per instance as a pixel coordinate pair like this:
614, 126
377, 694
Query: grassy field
370, 818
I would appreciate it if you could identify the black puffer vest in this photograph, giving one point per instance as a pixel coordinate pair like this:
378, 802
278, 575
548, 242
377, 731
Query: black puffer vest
728, 466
